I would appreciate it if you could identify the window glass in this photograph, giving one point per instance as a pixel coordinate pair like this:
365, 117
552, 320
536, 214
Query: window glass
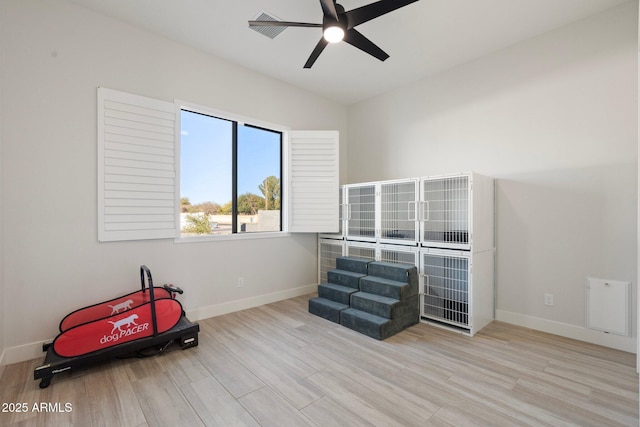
258, 179
229, 177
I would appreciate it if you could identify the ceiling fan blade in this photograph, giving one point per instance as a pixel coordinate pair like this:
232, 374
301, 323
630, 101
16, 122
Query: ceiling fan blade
356, 39
329, 9
367, 13
282, 24
316, 52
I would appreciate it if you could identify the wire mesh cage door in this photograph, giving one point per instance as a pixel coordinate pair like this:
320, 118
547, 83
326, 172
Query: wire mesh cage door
361, 250
329, 250
398, 212
444, 212
361, 212
446, 287
398, 255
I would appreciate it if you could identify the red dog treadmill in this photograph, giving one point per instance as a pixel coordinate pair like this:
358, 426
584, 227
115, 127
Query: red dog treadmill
118, 327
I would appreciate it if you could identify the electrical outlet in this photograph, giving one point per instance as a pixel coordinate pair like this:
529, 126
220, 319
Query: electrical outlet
548, 299
240, 283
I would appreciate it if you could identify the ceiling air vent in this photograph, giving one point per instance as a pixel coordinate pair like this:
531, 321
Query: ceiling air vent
268, 31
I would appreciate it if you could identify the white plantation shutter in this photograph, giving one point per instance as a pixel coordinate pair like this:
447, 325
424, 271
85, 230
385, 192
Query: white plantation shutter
136, 167
314, 172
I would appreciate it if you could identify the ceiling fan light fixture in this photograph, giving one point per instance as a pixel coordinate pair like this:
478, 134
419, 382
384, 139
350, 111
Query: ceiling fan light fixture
333, 34
338, 24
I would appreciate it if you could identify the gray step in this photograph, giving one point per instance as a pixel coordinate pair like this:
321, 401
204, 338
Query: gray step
356, 265
345, 278
375, 326
337, 293
389, 308
388, 288
326, 309
397, 272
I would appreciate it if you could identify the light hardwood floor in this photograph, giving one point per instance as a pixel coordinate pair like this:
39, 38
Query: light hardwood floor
277, 365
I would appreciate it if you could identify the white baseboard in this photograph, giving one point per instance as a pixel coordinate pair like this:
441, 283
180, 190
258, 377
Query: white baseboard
617, 342
243, 304
20, 353
34, 350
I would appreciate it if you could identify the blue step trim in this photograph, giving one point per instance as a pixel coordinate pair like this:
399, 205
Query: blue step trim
388, 288
375, 326
397, 272
326, 309
337, 293
356, 265
345, 278
386, 307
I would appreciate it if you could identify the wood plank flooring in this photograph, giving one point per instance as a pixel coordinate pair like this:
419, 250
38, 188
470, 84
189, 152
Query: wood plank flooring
277, 365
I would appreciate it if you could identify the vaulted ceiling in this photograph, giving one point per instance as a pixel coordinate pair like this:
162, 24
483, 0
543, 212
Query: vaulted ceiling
422, 39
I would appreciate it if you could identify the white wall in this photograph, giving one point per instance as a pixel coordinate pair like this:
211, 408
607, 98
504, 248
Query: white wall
555, 120
57, 54
2, 308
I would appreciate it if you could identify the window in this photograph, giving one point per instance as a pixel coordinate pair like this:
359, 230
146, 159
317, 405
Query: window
230, 176
148, 163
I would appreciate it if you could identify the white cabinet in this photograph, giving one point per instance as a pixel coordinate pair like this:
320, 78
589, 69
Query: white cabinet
444, 225
398, 212
456, 215
360, 223
328, 251
456, 211
397, 254
446, 290
394, 254
383, 212
457, 288
451, 212
360, 250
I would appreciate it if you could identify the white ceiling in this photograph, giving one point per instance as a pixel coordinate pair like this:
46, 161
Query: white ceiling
422, 39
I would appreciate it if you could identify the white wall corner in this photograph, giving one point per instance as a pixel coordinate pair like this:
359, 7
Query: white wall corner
2, 169
638, 233
579, 333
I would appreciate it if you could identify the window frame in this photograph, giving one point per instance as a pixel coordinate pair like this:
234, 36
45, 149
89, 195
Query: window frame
138, 191
181, 105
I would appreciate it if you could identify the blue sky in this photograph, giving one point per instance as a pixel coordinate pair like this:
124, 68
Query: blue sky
205, 158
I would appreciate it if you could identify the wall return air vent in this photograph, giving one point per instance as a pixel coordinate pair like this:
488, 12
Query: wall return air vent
269, 31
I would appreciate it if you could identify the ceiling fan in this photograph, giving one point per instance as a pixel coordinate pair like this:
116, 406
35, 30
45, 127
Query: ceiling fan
339, 25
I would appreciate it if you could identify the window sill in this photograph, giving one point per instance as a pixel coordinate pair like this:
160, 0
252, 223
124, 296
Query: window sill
237, 236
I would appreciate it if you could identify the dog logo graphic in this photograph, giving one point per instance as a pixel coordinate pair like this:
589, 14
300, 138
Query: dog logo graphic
124, 306
127, 321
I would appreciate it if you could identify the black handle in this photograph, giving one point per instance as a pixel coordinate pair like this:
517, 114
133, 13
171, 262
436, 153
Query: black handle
143, 269
170, 287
